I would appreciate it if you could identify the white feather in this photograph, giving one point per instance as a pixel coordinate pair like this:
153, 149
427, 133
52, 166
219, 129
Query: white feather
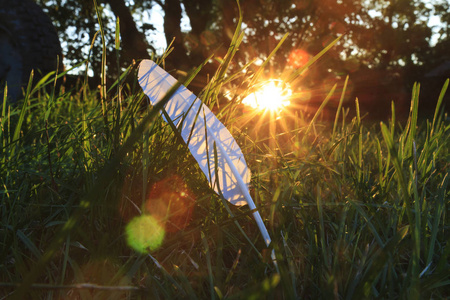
186, 108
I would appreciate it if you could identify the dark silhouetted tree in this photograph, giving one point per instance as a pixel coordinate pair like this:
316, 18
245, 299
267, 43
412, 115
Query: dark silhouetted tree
391, 36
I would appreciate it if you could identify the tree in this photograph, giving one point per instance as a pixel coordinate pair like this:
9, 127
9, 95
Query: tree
133, 40
380, 36
27, 41
385, 47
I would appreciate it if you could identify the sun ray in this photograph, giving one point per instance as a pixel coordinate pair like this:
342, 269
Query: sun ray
272, 95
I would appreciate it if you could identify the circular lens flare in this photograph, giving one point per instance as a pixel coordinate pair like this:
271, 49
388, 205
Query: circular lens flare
144, 233
171, 202
298, 58
271, 96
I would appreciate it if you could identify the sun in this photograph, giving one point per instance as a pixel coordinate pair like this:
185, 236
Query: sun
273, 95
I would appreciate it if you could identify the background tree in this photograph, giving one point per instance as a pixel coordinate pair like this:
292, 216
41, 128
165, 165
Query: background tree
27, 41
386, 43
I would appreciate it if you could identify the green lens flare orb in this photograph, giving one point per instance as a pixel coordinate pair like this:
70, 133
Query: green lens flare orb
144, 233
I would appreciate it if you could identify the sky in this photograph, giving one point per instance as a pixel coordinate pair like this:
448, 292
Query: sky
156, 18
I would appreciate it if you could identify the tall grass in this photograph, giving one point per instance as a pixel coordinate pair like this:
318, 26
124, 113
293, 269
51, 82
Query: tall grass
355, 210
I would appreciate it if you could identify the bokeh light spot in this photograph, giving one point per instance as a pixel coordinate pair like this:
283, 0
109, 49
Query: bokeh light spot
171, 202
144, 233
298, 58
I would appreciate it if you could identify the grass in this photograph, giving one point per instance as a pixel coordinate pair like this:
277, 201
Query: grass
354, 210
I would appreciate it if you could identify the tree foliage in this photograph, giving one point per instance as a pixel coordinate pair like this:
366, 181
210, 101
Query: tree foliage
390, 36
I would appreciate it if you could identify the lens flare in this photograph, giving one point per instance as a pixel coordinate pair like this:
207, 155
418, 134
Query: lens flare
171, 202
298, 58
271, 96
144, 233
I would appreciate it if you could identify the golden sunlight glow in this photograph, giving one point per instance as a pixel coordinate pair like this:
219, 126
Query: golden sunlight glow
271, 96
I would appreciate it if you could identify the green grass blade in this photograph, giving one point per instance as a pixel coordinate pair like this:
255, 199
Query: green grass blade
412, 128
321, 107
209, 266
23, 111
266, 61
398, 169
438, 107
324, 247
338, 111
360, 143
439, 210
368, 221
297, 72
29, 244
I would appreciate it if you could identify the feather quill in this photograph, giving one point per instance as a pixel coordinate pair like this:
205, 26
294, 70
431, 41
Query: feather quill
203, 133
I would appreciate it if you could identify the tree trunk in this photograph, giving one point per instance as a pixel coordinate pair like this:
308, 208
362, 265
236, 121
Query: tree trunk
134, 43
200, 14
178, 59
28, 41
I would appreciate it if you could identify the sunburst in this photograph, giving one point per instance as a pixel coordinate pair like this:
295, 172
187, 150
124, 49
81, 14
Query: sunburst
272, 95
